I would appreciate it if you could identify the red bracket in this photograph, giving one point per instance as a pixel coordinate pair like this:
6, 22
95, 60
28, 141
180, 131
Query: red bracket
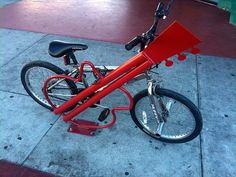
73, 128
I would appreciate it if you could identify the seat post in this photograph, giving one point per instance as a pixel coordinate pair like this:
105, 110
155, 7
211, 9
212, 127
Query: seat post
72, 56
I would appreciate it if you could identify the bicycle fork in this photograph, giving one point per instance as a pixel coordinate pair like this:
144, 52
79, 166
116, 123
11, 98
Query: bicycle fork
160, 120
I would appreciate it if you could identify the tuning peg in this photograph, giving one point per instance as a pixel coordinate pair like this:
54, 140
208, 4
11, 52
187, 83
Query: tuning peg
181, 57
195, 51
168, 63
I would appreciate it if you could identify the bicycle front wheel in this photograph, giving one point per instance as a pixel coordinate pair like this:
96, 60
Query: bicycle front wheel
183, 119
33, 76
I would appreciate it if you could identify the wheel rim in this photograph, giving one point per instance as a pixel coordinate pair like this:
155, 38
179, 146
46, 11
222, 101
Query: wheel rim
180, 122
35, 78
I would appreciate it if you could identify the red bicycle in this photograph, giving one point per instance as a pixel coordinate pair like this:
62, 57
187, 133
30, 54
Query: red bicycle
161, 113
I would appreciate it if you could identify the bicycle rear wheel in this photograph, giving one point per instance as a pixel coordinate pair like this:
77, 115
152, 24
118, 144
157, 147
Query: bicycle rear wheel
183, 120
33, 76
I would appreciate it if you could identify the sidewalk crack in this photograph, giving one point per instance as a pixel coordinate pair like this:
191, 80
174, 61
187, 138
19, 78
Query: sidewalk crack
17, 93
199, 106
29, 47
23, 162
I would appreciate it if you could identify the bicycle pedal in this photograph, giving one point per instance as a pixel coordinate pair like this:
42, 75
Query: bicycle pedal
104, 114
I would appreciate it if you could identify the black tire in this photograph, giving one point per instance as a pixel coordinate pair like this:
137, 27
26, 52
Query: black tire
182, 100
50, 67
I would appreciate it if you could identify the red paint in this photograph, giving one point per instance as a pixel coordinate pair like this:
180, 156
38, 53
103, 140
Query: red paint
9, 169
120, 21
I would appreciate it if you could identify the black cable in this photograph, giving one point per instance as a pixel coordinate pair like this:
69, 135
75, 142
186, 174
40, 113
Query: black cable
208, 2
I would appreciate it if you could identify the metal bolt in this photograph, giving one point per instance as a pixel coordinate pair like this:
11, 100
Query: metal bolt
91, 133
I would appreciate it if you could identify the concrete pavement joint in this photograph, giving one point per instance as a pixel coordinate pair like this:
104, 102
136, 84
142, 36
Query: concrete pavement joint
29, 47
39, 141
198, 104
14, 93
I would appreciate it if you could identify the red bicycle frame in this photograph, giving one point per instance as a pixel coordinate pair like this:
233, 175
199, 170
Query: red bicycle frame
172, 41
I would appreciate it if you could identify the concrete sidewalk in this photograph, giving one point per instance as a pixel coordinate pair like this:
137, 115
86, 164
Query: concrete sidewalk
33, 136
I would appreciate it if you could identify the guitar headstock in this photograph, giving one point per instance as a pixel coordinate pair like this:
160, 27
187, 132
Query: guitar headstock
173, 41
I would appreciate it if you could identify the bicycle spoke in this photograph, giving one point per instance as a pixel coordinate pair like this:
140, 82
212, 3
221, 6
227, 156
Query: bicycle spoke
144, 117
169, 104
37, 76
177, 118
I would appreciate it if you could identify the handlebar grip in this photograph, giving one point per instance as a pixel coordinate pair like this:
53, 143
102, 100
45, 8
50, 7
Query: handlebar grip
135, 41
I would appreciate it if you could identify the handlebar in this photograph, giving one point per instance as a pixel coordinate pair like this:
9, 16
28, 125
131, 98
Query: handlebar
160, 13
131, 44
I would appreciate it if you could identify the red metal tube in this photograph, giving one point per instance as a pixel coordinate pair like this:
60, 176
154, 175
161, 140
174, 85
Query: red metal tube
81, 71
113, 113
54, 77
118, 83
127, 66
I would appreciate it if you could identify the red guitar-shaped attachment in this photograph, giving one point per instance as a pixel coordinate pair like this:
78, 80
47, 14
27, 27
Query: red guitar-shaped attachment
172, 41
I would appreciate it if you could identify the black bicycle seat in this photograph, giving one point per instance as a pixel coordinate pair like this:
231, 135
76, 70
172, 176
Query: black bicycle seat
59, 48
